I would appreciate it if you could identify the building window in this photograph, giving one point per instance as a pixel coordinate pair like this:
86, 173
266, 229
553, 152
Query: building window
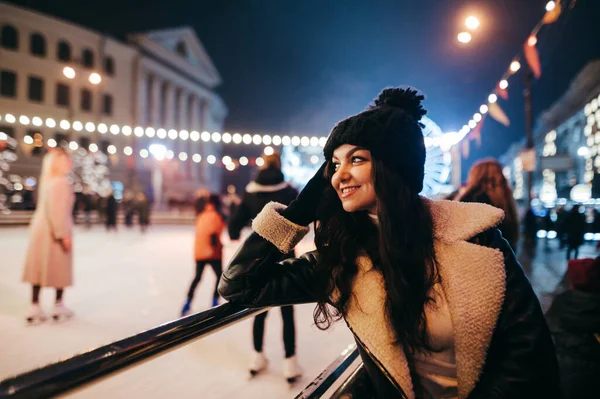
36, 89
8, 84
63, 51
37, 45
109, 66
9, 37
86, 100
104, 144
9, 130
62, 95
84, 142
62, 139
107, 106
87, 58
181, 48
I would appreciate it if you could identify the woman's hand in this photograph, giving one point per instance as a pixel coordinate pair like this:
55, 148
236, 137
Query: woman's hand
303, 209
66, 243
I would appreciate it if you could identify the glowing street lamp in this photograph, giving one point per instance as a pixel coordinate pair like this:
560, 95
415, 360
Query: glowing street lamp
472, 23
464, 37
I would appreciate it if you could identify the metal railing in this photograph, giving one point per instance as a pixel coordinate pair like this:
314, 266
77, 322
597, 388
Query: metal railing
330, 375
85, 368
63, 376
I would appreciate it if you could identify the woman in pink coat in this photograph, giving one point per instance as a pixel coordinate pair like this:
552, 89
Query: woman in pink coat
49, 259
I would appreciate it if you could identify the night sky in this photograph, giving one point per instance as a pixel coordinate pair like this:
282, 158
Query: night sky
300, 66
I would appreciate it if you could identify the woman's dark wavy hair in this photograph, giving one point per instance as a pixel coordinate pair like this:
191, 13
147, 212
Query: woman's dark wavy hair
401, 248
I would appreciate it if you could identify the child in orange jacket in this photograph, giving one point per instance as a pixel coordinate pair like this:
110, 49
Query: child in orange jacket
207, 247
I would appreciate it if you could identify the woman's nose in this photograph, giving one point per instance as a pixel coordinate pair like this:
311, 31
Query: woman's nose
341, 175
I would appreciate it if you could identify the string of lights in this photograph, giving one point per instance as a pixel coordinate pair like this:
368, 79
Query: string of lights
163, 134
160, 152
552, 7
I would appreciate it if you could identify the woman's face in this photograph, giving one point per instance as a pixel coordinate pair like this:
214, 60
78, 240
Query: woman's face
353, 178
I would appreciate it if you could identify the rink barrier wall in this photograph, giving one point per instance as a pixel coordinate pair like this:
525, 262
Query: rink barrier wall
22, 218
90, 367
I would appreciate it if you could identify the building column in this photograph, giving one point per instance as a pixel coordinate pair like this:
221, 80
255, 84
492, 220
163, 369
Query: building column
155, 103
170, 107
194, 146
181, 118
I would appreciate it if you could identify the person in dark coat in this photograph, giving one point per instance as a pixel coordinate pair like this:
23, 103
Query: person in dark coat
574, 321
530, 229
268, 186
129, 208
574, 225
111, 212
142, 206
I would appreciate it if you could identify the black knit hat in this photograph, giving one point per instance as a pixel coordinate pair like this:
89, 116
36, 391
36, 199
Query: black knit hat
391, 130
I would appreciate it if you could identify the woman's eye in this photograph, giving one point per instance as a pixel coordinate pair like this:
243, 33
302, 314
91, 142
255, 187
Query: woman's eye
336, 166
357, 159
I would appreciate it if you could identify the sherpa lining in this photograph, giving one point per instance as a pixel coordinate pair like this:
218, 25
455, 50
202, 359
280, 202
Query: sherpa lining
473, 279
276, 229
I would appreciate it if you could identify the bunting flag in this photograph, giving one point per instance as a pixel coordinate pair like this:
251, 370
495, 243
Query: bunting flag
464, 145
503, 93
532, 57
475, 134
552, 15
498, 114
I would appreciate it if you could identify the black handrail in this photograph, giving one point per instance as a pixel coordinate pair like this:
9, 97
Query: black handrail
84, 368
329, 376
357, 385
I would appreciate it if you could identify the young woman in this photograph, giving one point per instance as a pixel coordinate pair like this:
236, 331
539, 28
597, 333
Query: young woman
49, 259
436, 300
486, 184
208, 248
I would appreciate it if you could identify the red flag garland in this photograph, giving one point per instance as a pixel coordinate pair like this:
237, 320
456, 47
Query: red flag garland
498, 114
532, 56
475, 134
552, 15
503, 93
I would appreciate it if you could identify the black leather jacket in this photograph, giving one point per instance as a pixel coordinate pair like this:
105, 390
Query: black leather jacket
520, 362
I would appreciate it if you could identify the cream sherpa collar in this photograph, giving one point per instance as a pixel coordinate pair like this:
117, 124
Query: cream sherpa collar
473, 280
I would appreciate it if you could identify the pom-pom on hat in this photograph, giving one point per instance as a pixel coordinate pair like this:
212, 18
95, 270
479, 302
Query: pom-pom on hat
391, 130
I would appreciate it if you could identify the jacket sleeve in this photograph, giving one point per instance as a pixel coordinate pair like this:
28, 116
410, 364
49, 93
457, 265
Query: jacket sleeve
521, 361
258, 277
60, 209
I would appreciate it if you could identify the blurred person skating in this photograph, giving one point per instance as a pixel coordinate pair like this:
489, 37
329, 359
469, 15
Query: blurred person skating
574, 228
208, 248
111, 212
486, 184
87, 206
142, 206
574, 321
268, 186
433, 294
49, 259
230, 202
129, 208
